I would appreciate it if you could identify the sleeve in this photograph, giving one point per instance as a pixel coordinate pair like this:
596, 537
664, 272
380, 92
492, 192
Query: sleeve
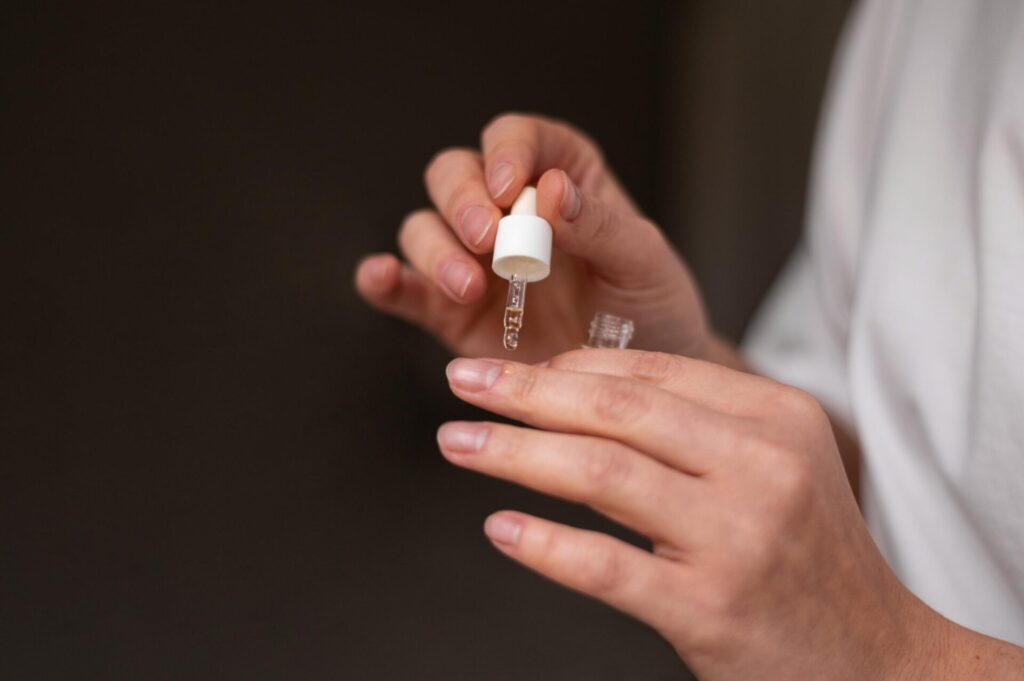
793, 341
800, 335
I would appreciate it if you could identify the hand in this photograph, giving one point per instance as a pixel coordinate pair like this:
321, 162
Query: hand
607, 256
762, 566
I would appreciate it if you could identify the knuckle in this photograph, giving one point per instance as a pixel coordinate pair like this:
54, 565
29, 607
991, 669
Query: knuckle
749, 445
619, 400
656, 367
601, 569
795, 478
604, 228
799, 405
743, 440
715, 605
503, 122
783, 467
550, 546
524, 383
568, 360
610, 226
604, 468
717, 599
788, 477
753, 540
504, 442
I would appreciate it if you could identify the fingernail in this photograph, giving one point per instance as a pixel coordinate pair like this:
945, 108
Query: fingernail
456, 276
499, 179
476, 222
571, 204
462, 437
473, 375
503, 529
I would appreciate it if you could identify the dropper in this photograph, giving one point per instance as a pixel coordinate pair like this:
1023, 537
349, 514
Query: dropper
522, 254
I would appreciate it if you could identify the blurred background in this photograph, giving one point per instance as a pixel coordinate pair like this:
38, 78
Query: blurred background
215, 462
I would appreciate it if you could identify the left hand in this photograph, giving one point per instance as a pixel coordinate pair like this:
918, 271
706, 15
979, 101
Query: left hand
762, 566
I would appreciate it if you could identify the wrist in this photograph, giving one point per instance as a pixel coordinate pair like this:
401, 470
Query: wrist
966, 655
922, 651
940, 649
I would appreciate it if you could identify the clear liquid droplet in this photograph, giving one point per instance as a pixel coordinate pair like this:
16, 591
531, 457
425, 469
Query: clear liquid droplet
513, 323
514, 306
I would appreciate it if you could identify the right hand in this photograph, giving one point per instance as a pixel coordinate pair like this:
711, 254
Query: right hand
607, 256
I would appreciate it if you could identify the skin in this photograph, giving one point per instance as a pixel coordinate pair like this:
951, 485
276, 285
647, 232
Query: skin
607, 255
761, 565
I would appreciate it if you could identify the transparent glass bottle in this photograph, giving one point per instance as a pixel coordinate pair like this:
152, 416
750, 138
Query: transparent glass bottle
609, 331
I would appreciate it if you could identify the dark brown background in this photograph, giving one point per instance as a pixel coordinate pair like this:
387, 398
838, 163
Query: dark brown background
216, 463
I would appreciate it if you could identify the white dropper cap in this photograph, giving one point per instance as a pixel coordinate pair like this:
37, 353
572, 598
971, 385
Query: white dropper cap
523, 242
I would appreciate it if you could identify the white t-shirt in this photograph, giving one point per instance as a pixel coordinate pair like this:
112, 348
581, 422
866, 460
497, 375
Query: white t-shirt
903, 311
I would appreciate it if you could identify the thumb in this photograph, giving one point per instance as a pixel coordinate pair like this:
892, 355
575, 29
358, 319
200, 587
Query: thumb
624, 248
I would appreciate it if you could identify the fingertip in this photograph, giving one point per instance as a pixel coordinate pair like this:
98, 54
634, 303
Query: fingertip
504, 528
377, 274
510, 147
550, 189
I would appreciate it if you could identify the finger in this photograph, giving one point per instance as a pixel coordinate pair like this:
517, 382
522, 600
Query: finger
637, 582
682, 434
431, 248
617, 481
710, 385
518, 148
626, 249
455, 183
400, 291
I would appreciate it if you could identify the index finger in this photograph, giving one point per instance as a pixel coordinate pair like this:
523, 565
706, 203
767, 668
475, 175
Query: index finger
711, 385
718, 388
518, 149
680, 433
455, 183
